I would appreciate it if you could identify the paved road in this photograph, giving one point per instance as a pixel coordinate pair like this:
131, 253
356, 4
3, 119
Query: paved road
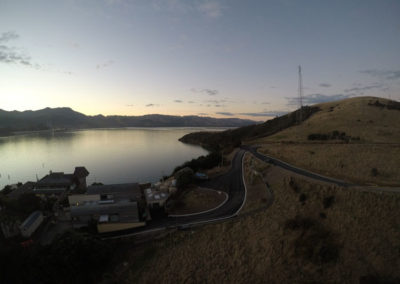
233, 184
279, 163
230, 182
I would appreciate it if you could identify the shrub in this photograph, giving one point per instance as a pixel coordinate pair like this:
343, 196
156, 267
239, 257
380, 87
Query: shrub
374, 172
303, 198
328, 201
293, 185
202, 162
313, 243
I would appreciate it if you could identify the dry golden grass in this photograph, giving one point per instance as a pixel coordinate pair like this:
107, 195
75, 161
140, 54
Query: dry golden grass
216, 171
353, 116
257, 192
351, 162
198, 199
363, 226
378, 147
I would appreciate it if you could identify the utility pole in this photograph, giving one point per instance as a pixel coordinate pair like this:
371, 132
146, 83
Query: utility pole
300, 95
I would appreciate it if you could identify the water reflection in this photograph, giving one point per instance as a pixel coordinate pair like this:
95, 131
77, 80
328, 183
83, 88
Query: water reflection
110, 155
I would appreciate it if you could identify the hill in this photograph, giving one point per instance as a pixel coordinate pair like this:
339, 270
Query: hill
234, 137
293, 229
312, 233
66, 118
355, 139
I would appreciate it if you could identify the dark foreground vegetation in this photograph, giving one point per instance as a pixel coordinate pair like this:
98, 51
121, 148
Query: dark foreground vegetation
72, 258
334, 135
201, 163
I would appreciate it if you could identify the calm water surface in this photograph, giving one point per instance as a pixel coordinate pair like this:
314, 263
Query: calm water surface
110, 155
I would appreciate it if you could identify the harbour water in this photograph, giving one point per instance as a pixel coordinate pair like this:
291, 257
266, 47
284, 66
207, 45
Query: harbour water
110, 155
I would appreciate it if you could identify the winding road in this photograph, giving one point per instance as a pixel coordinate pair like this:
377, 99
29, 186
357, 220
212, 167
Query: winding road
230, 182
233, 184
286, 166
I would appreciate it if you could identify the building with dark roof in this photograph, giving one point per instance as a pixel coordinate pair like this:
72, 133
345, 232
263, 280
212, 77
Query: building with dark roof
121, 191
113, 207
57, 183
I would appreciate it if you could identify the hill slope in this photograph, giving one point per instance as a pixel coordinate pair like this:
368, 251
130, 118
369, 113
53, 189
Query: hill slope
57, 118
372, 119
234, 137
357, 140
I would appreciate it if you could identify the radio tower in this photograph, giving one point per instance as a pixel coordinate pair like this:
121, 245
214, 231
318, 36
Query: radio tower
300, 95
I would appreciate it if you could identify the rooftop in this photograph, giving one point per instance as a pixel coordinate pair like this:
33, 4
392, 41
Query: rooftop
81, 172
124, 190
58, 179
126, 211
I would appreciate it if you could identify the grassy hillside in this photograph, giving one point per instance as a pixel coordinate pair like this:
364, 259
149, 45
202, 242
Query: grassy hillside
312, 233
368, 118
234, 137
360, 141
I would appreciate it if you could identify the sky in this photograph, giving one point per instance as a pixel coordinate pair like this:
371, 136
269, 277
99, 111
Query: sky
214, 58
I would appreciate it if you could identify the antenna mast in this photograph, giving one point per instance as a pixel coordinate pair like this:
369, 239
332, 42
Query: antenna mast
300, 95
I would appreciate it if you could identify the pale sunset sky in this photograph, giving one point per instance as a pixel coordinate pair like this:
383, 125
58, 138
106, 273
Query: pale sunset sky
214, 58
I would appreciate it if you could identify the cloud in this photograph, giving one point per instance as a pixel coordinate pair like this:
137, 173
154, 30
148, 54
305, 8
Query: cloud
7, 36
129, 105
105, 64
178, 101
210, 9
215, 101
264, 113
209, 92
202, 113
317, 98
11, 55
218, 105
383, 74
364, 88
325, 85
191, 102
151, 105
225, 113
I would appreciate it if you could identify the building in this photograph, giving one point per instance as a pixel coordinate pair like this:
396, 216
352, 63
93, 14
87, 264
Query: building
129, 191
55, 184
109, 216
155, 199
80, 175
30, 225
23, 189
112, 207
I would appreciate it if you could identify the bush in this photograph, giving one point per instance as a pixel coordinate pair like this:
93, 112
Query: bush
293, 185
202, 162
328, 201
313, 243
374, 172
303, 198
183, 177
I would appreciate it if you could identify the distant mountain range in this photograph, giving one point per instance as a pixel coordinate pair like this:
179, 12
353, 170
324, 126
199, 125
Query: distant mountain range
66, 118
